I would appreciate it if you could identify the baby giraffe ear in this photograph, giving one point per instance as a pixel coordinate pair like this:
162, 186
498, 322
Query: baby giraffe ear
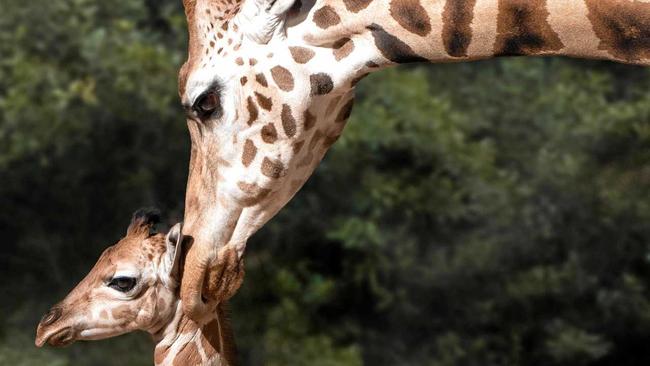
262, 19
174, 244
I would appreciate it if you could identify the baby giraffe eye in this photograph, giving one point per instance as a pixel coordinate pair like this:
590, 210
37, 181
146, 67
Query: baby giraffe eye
207, 104
122, 284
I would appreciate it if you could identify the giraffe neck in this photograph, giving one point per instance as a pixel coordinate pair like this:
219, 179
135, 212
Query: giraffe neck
184, 342
401, 31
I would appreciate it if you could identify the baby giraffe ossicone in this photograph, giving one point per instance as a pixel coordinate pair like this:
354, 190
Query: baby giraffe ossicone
135, 286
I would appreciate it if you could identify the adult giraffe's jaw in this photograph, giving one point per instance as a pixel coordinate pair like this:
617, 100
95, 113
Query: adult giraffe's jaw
212, 271
204, 288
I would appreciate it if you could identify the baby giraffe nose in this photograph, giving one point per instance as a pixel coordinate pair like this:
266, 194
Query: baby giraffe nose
51, 316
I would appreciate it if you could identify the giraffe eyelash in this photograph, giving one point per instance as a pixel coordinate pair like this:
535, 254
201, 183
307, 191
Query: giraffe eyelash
207, 104
122, 283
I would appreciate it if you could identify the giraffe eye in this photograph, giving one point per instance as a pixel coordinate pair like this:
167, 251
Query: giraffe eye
122, 284
207, 104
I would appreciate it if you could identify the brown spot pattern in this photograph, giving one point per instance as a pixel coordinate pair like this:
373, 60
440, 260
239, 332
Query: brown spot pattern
255, 193
457, 30
269, 133
318, 134
210, 338
392, 48
261, 79
622, 26
326, 17
121, 311
159, 355
345, 111
272, 169
357, 79
296, 184
343, 48
330, 140
264, 102
298, 146
411, 16
356, 6
306, 160
161, 304
252, 111
187, 355
243, 80
321, 83
294, 9
310, 120
282, 78
193, 201
332, 105
301, 55
248, 155
523, 29
288, 122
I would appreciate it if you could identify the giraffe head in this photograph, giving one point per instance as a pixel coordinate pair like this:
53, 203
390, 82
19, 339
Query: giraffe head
133, 286
267, 89
268, 86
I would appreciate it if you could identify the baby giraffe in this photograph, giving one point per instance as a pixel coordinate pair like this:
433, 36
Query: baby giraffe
135, 286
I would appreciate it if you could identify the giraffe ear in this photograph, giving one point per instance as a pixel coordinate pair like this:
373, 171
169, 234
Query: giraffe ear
262, 19
174, 244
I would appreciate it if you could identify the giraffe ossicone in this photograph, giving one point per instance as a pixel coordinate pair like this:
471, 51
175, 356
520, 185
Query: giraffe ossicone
135, 286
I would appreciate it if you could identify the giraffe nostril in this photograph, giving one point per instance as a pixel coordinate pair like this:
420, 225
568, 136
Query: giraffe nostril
51, 316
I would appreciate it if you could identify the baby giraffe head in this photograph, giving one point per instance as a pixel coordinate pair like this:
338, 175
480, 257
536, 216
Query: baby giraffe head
131, 287
135, 286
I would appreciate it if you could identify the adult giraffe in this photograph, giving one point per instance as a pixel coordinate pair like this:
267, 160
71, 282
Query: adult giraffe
268, 86
134, 286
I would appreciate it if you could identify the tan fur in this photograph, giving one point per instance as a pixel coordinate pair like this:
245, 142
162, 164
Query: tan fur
286, 82
91, 307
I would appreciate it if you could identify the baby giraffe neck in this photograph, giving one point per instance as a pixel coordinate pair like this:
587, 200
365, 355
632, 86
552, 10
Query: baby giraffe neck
184, 342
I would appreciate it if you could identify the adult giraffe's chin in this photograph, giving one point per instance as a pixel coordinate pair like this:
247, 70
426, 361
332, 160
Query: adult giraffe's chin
268, 87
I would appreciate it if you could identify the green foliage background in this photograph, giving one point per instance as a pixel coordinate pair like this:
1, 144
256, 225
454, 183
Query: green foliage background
493, 213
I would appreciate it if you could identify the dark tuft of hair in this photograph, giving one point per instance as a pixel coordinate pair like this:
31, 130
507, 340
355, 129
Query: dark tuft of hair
146, 216
143, 221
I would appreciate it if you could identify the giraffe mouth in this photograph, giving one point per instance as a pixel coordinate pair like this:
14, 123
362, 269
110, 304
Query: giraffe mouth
60, 338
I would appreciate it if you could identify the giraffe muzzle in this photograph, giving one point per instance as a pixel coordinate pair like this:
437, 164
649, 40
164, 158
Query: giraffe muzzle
48, 331
56, 338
